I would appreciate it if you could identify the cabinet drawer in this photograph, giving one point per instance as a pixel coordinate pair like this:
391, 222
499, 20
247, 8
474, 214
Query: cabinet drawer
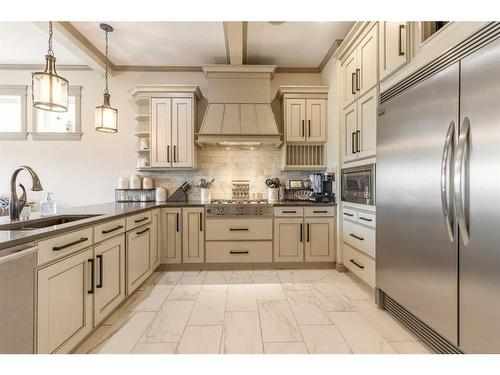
361, 237
138, 257
289, 211
239, 251
319, 211
367, 218
135, 221
239, 229
59, 246
109, 229
360, 265
350, 214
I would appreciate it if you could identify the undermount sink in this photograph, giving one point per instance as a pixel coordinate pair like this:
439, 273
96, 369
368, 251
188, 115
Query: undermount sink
44, 222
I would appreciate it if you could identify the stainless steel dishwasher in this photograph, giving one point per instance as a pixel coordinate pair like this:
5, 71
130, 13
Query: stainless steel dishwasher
17, 299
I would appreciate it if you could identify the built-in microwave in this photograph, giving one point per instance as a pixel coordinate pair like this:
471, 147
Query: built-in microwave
358, 184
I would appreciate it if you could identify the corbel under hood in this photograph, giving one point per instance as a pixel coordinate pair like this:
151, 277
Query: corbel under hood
239, 107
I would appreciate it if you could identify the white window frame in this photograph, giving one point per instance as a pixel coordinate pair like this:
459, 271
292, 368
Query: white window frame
22, 91
75, 91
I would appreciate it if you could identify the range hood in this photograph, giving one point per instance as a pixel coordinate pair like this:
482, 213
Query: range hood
239, 107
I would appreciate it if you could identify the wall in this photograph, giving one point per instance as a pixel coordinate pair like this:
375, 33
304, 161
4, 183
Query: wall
85, 172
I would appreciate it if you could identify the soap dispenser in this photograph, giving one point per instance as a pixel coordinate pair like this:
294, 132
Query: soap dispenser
48, 206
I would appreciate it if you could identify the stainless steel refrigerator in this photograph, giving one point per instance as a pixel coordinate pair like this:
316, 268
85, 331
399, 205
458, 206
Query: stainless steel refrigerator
438, 204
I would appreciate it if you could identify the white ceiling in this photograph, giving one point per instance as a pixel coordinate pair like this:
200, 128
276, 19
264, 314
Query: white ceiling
27, 43
292, 44
179, 44
160, 43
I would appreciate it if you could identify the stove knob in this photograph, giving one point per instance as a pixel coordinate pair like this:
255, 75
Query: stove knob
217, 211
208, 210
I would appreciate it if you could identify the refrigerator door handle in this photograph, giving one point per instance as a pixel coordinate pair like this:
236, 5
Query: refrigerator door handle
459, 180
447, 156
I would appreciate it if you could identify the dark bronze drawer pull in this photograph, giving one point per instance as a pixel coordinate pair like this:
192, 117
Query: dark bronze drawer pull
289, 212
320, 212
112, 230
238, 252
143, 231
238, 229
356, 264
347, 214
177, 221
57, 248
99, 258
365, 219
140, 220
92, 276
301, 231
201, 222
359, 238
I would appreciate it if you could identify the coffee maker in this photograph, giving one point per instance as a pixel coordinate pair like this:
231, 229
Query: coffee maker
323, 187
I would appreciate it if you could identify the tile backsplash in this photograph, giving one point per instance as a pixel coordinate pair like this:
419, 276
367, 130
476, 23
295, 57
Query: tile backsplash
226, 165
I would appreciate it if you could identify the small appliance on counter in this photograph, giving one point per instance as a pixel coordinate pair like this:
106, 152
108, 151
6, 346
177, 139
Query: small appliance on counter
180, 195
322, 186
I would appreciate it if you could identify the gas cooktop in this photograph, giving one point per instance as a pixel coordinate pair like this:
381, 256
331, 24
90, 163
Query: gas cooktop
239, 208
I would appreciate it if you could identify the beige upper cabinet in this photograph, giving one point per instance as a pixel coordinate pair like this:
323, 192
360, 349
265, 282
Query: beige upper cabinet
138, 256
304, 113
193, 235
65, 303
360, 127
394, 48
289, 240
109, 277
295, 120
172, 133
360, 68
320, 237
171, 235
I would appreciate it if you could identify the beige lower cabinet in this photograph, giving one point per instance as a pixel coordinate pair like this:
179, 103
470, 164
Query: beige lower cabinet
193, 235
320, 239
156, 239
65, 296
138, 256
109, 277
171, 221
288, 240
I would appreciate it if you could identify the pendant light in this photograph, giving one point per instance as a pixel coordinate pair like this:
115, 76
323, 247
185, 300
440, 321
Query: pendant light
106, 117
50, 92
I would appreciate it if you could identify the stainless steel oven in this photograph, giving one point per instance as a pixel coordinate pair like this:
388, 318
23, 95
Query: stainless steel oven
358, 184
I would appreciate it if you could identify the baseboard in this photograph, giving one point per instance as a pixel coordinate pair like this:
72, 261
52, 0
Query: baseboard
245, 266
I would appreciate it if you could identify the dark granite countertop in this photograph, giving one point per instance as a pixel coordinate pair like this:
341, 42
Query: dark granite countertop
103, 212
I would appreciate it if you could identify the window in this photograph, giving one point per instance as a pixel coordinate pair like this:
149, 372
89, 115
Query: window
13, 112
59, 125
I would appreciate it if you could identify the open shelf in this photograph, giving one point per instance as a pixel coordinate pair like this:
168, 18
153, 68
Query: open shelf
142, 117
142, 134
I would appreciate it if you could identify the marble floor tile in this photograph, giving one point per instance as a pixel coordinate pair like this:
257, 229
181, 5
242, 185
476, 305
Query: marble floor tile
365, 304
324, 339
285, 348
169, 323
151, 280
354, 290
169, 277
302, 276
307, 309
214, 288
192, 278
269, 291
151, 299
155, 348
388, 327
93, 340
241, 298
217, 277
296, 287
411, 347
208, 309
241, 333
200, 340
277, 321
241, 277
336, 302
124, 340
184, 292
325, 289
265, 277
360, 335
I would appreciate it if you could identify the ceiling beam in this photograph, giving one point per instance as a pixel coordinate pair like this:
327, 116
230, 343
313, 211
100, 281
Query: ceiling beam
79, 45
235, 36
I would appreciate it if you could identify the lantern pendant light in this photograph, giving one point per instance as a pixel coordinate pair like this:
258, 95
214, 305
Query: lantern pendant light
50, 92
106, 117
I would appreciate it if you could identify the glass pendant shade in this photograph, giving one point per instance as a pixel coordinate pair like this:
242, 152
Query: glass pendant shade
106, 117
50, 91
